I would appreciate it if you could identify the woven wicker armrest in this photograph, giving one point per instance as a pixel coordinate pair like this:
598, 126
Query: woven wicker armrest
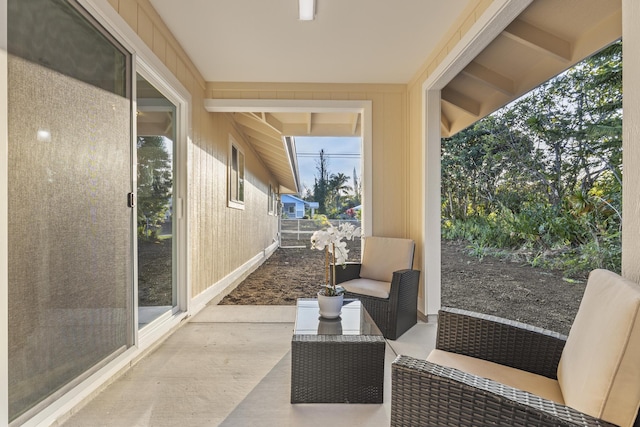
426, 394
348, 271
498, 340
402, 282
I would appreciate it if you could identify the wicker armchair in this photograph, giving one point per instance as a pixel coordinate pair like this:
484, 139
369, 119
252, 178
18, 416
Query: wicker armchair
491, 371
385, 283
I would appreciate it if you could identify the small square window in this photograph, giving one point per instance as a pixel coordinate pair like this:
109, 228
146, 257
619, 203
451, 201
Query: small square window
273, 201
236, 175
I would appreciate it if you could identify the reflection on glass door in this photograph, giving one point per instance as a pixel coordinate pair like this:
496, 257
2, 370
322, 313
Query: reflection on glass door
155, 143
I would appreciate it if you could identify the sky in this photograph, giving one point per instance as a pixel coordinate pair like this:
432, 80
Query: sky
344, 154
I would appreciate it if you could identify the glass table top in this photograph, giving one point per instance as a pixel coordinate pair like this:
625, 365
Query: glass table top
354, 319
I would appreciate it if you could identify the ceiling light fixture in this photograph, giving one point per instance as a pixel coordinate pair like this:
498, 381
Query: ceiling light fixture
307, 9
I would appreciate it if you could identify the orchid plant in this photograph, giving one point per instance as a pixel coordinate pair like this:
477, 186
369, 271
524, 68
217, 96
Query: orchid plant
331, 241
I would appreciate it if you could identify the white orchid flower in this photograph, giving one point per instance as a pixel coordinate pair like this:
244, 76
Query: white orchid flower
331, 241
319, 240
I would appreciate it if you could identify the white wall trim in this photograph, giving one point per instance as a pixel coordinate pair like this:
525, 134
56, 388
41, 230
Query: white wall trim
281, 106
497, 16
432, 209
231, 280
363, 107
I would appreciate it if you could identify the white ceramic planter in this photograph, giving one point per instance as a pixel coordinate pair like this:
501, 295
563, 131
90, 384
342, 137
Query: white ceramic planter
330, 307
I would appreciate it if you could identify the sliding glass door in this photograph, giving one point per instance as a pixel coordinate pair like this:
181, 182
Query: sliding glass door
70, 222
155, 148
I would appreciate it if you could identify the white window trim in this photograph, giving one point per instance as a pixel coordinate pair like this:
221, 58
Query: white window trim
270, 200
233, 202
276, 202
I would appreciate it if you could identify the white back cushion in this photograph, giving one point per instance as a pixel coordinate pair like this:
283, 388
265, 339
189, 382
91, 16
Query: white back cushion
599, 371
384, 255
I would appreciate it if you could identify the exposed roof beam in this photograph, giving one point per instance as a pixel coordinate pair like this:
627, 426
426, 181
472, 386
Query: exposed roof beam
272, 121
538, 39
319, 129
259, 136
309, 121
445, 124
252, 122
490, 78
461, 101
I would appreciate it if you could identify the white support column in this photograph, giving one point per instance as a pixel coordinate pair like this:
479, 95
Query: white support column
497, 16
631, 140
431, 238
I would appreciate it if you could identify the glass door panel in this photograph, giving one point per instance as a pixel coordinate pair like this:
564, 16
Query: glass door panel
156, 117
70, 259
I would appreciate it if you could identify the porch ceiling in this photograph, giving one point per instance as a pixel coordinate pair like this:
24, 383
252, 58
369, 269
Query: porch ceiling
265, 131
377, 41
547, 38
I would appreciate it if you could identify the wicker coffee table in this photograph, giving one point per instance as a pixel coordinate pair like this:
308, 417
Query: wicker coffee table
336, 361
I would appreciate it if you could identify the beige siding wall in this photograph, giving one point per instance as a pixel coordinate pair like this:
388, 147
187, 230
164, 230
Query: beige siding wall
222, 239
390, 154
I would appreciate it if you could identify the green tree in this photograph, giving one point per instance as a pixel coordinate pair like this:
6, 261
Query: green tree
321, 182
155, 182
357, 189
576, 121
482, 168
337, 188
544, 173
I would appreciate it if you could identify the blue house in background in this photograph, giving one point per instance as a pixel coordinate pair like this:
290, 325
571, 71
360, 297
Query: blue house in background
295, 207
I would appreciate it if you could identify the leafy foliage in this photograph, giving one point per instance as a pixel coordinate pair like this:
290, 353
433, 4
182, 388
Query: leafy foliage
332, 191
155, 183
543, 175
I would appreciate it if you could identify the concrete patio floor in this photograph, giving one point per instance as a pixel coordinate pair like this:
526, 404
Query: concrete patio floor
231, 366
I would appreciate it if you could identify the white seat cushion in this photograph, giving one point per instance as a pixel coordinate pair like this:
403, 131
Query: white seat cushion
384, 255
372, 288
599, 371
522, 380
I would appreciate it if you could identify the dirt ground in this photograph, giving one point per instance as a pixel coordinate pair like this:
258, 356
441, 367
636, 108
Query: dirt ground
493, 286
154, 273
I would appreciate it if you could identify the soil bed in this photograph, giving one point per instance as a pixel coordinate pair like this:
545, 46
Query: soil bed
491, 285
